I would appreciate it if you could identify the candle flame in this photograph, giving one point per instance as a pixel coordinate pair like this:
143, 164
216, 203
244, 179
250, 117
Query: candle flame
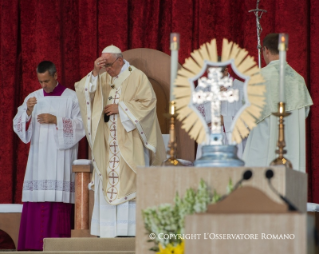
283, 39
174, 39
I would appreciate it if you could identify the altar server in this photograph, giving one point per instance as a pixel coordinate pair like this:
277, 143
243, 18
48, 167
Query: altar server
50, 119
262, 140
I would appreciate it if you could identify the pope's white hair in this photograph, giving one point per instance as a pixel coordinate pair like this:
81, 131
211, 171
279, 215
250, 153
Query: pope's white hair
118, 55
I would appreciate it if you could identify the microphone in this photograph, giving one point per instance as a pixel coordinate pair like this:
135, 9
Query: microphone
270, 174
246, 176
106, 118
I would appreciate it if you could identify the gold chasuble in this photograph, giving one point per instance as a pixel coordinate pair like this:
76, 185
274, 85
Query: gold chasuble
116, 152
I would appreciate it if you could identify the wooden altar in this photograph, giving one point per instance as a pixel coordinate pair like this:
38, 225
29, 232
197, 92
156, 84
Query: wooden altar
158, 185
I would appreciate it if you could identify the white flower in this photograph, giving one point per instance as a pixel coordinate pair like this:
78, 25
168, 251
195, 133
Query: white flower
230, 95
169, 219
199, 97
215, 73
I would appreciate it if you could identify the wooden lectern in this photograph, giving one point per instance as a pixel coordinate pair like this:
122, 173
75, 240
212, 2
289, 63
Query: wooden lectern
82, 203
247, 221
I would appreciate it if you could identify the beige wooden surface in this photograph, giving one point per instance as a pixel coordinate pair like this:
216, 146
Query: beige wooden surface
82, 168
10, 223
247, 199
157, 185
77, 245
262, 228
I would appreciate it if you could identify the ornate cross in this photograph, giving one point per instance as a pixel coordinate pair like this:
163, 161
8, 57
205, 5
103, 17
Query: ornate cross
210, 91
114, 161
112, 193
113, 177
113, 130
114, 145
258, 13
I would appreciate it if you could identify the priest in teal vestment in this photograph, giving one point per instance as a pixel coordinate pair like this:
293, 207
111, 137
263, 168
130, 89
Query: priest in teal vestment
262, 140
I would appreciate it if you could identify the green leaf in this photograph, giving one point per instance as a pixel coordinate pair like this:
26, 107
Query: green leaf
169, 218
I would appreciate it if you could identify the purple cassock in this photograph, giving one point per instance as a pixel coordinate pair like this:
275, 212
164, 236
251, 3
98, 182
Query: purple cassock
44, 219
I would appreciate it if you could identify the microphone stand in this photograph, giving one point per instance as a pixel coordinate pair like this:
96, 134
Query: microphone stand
269, 175
246, 176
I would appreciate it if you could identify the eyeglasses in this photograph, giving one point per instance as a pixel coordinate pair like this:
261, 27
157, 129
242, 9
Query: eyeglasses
111, 64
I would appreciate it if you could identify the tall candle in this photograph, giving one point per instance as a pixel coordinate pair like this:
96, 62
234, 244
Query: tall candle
174, 47
282, 47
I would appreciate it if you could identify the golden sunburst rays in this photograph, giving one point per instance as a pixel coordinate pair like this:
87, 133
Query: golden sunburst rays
242, 64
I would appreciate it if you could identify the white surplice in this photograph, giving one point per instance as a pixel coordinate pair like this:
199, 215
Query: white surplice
262, 141
53, 147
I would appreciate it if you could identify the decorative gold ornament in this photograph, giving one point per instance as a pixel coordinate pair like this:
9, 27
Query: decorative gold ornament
243, 65
281, 160
172, 145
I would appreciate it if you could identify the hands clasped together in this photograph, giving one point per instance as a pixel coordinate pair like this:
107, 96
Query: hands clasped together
42, 118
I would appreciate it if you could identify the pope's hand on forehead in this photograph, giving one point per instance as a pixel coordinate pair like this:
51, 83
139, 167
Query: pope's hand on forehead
100, 62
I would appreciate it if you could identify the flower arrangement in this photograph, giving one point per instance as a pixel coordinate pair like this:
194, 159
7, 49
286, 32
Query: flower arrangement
169, 249
168, 219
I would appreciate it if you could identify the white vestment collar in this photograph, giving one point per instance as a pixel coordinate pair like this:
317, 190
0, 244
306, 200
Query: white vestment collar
125, 66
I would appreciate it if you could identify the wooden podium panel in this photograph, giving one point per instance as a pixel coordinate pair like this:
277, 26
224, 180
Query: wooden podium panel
158, 185
10, 223
83, 207
260, 231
